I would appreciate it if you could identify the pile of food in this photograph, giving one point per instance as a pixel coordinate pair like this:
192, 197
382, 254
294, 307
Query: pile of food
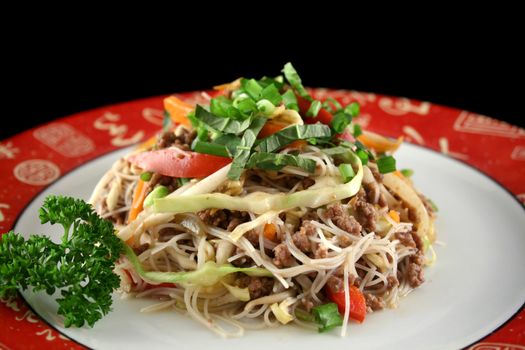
263, 207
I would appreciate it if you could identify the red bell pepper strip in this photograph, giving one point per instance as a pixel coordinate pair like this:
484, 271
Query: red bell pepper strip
357, 302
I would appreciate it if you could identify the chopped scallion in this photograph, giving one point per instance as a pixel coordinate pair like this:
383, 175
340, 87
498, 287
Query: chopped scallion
327, 316
146, 176
386, 164
314, 109
347, 172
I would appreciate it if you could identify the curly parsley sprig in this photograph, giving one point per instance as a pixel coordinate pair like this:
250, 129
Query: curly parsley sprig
80, 267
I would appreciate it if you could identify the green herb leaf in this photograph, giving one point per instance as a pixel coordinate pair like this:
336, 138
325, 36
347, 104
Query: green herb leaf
340, 121
386, 164
327, 317
295, 81
81, 267
225, 125
277, 161
242, 151
292, 133
352, 109
363, 155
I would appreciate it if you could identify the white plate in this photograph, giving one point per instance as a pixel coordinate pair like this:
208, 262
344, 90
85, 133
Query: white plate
475, 286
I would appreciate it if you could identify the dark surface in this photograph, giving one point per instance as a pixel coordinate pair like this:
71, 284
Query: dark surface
62, 81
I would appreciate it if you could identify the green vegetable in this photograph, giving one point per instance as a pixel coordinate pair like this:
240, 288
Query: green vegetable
353, 109
225, 125
340, 121
327, 316
314, 109
265, 106
210, 148
347, 172
407, 172
158, 192
295, 81
223, 107
304, 316
290, 100
271, 93
208, 275
242, 151
252, 88
80, 267
146, 176
386, 164
357, 130
260, 203
292, 133
277, 161
363, 155
327, 104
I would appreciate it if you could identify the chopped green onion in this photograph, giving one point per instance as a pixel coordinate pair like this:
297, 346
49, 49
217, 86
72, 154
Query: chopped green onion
363, 155
158, 192
347, 172
353, 109
265, 106
340, 121
327, 316
407, 172
271, 93
314, 109
386, 164
146, 176
277, 161
246, 107
223, 107
295, 81
252, 88
290, 100
210, 148
357, 130
292, 133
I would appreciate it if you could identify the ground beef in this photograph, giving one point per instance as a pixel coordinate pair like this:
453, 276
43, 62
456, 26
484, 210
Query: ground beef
406, 239
257, 286
335, 284
158, 179
377, 175
427, 204
282, 256
366, 214
415, 275
308, 303
182, 140
373, 191
417, 240
392, 282
225, 219
307, 182
344, 241
374, 302
343, 220
301, 237
418, 258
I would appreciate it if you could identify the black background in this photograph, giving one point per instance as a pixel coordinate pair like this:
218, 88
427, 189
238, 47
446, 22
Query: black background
48, 79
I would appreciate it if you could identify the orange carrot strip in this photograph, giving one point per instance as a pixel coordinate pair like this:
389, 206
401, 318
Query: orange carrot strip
138, 200
178, 110
270, 231
379, 143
